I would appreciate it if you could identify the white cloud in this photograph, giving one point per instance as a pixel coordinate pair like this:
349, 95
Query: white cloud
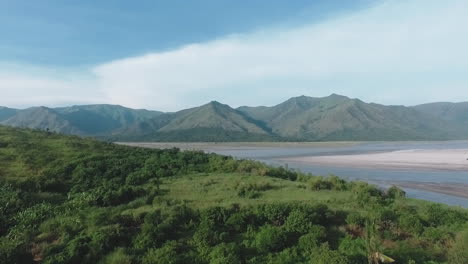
396, 52
25, 85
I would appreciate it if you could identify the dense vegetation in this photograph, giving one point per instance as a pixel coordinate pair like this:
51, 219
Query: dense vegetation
65, 199
300, 118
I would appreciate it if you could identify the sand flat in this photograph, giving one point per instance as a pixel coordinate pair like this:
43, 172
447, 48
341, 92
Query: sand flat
430, 159
455, 189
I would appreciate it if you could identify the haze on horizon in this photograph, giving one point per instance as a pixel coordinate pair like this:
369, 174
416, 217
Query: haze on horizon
168, 56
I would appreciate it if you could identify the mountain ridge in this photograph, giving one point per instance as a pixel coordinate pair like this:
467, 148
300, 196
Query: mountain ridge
302, 118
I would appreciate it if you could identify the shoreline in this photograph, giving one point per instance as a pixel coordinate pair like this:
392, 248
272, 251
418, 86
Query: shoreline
421, 159
448, 160
453, 189
238, 145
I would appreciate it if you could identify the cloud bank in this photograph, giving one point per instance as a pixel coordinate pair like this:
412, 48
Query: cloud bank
396, 52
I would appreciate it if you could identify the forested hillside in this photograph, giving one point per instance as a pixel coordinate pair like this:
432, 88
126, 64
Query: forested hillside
64, 199
84, 120
303, 118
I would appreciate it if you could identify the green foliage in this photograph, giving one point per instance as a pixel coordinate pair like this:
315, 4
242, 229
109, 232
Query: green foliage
354, 249
252, 190
270, 239
395, 193
225, 254
312, 240
324, 255
119, 256
458, 254
167, 254
411, 223
317, 183
84, 201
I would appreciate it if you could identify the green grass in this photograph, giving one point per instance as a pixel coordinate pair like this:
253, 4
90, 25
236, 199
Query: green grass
71, 200
206, 190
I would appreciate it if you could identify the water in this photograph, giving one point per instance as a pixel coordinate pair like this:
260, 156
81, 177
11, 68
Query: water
380, 176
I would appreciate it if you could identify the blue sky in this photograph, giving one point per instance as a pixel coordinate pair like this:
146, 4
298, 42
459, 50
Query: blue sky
71, 33
169, 55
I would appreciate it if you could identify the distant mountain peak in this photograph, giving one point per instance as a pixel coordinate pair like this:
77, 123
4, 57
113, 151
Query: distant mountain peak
335, 96
214, 102
215, 105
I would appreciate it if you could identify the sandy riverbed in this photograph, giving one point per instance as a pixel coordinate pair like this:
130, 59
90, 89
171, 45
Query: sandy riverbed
455, 189
437, 159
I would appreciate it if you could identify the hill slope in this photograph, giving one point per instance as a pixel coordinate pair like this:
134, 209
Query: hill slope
65, 199
42, 118
6, 113
452, 112
303, 118
211, 122
340, 118
90, 120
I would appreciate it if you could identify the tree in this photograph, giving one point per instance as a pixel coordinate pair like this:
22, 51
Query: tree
152, 170
324, 255
225, 254
164, 255
270, 239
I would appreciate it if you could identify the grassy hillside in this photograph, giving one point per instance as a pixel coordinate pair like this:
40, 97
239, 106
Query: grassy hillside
452, 112
211, 122
42, 118
104, 119
89, 120
331, 118
340, 118
64, 199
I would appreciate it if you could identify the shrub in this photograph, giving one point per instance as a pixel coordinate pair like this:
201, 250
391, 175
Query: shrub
118, 256
395, 192
299, 222
324, 255
354, 248
411, 223
287, 256
252, 190
355, 219
332, 182
225, 254
313, 239
458, 253
368, 195
270, 239
165, 255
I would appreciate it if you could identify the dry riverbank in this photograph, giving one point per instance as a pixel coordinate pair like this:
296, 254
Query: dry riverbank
446, 159
455, 189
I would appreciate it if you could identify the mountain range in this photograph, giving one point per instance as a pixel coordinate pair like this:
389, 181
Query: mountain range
302, 118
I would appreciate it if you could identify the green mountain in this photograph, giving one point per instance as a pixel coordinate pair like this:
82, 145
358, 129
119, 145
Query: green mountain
211, 122
338, 117
452, 112
6, 113
104, 119
302, 118
70, 200
42, 118
89, 120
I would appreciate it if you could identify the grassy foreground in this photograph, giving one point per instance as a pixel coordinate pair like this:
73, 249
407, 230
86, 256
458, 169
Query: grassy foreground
71, 200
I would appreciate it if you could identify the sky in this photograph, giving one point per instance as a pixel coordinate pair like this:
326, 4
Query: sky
170, 55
